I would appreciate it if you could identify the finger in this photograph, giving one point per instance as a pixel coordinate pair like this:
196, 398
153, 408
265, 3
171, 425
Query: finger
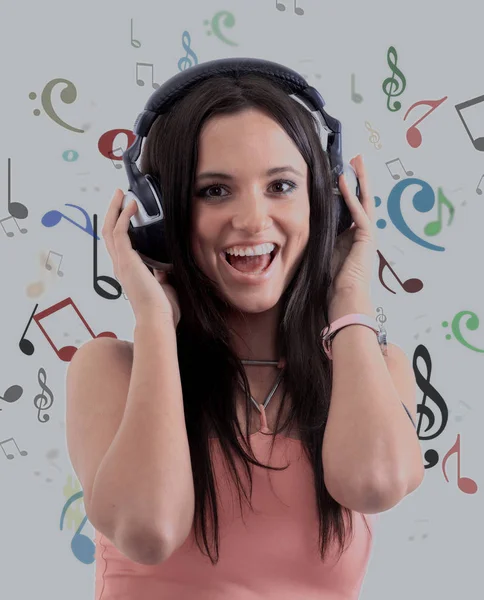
365, 195
121, 239
111, 218
357, 210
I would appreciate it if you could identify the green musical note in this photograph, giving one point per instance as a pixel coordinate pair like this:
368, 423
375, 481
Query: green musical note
390, 82
435, 227
229, 21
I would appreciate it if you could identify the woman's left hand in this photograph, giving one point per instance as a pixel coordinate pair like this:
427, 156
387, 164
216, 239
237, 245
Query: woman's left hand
354, 252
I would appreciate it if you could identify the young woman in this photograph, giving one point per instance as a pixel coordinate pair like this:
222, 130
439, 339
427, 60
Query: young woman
206, 475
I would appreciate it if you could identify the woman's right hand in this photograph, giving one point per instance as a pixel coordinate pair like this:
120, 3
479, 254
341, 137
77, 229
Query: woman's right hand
149, 295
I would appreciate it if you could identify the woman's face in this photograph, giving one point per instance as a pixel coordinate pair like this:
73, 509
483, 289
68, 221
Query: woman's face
247, 205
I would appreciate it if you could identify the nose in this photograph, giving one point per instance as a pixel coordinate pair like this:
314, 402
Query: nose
252, 214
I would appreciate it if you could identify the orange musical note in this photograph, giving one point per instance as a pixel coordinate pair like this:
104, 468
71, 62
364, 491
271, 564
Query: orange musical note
409, 285
465, 484
414, 137
66, 352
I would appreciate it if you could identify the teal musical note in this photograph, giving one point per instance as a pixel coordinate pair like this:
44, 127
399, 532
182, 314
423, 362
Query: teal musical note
82, 547
423, 201
399, 83
185, 62
229, 21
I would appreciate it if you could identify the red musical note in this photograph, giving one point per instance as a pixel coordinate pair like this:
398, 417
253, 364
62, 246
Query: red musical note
66, 352
414, 137
465, 484
409, 285
106, 142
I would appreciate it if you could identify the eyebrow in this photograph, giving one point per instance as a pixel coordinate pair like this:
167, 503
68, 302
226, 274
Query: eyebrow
273, 171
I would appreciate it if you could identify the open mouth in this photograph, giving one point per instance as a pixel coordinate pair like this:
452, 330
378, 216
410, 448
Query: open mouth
272, 255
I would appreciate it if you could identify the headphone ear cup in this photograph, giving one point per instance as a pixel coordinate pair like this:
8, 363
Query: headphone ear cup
148, 234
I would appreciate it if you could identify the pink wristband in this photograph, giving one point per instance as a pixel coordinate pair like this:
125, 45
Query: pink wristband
328, 333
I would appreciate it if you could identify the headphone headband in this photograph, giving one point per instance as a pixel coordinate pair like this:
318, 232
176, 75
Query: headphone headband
147, 226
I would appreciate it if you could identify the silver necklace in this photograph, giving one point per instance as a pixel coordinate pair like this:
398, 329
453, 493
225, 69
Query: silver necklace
277, 363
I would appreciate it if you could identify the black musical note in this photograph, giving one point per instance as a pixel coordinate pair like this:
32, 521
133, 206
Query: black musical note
106, 278
26, 345
12, 394
40, 401
16, 209
10, 456
431, 456
477, 142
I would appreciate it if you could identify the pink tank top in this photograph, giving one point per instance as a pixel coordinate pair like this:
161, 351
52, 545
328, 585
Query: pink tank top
271, 553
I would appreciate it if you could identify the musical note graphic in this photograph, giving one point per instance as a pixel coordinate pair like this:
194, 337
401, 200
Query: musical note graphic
53, 218
41, 401
134, 43
67, 95
49, 267
399, 82
478, 189
16, 209
409, 285
26, 345
116, 165
424, 535
435, 227
472, 324
106, 278
82, 547
299, 11
140, 81
395, 175
70, 155
12, 394
10, 456
423, 201
374, 137
478, 143
431, 456
65, 353
11, 233
465, 484
459, 418
413, 135
358, 98
229, 21
106, 142
185, 62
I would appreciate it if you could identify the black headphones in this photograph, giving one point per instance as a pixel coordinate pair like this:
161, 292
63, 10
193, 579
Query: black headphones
147, 227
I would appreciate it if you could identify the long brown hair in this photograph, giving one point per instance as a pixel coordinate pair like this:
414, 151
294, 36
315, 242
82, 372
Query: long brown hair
208, 366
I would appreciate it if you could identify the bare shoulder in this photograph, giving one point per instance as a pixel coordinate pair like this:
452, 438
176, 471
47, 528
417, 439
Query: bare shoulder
97, 384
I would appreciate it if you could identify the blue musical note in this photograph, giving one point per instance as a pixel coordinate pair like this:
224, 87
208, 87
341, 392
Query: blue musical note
185, 62
423, 201
82, 547
53, 217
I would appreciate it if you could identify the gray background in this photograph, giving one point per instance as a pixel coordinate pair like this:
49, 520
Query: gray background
429, 546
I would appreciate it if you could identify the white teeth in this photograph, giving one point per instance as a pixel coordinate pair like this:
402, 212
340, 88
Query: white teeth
252, 251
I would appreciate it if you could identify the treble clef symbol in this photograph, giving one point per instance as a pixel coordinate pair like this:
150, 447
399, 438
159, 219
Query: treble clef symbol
431, 456
41, 399
185, 62
390, 82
